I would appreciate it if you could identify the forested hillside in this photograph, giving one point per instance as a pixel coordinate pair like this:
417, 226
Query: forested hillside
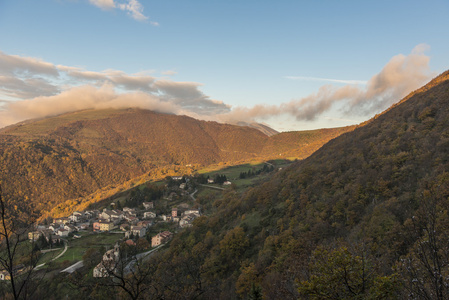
365, 217
46, 162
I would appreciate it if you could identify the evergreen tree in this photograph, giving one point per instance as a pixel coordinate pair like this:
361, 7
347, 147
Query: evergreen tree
255, 293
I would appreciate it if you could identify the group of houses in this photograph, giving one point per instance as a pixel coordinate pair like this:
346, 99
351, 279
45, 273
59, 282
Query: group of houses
63, 227
133, 222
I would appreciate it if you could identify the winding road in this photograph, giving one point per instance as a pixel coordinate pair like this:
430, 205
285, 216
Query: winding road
55, 258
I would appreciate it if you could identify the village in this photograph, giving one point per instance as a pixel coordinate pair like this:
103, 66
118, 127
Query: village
138, 221
133, 222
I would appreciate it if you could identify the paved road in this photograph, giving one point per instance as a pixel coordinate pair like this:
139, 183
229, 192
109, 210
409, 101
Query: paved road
139, 256
62, 253
193, 194
55, 258
50, 250
73, 267
213, 187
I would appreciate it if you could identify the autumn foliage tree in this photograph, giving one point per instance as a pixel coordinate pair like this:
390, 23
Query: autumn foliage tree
339, 274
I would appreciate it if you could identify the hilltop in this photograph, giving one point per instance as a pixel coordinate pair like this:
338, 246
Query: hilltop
71, 156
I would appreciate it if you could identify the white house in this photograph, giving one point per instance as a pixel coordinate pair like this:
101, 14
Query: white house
4, 275
62, 232
54, 227
112, 215
70, 228
77, 216
127, 209
149, 215
195, 212
148, 205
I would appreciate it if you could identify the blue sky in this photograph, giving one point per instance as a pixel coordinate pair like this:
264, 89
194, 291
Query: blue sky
291, 64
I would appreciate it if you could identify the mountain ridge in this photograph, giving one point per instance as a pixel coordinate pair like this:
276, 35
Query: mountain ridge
75, 154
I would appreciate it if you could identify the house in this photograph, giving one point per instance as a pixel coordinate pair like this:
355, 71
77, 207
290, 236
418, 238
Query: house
77, 216
108, 264
112, 215
131, 210
103, 225
130, 243
227, 182
149, 215
130, 217
184, 223
195, 212
107, 226
138, 231
161, 238
70, 228
187, 220
176, 177
145, 224
90, 214
129, 213
210, 180
63, 220
182, 186
62, 232
5, 275
83, 226
124, 227
148, 205
54, 227
34, 235
166, 218
106, 215
96, 225
174, 212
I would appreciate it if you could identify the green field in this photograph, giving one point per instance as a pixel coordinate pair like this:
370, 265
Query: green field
233, 173
77, 247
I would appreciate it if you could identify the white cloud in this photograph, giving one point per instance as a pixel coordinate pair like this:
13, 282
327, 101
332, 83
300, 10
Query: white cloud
43, 89
12, 64
169, 72
78, 98
103, 4
327, 80
132, 7
26, 88
400, 76
73, 88
135, 10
